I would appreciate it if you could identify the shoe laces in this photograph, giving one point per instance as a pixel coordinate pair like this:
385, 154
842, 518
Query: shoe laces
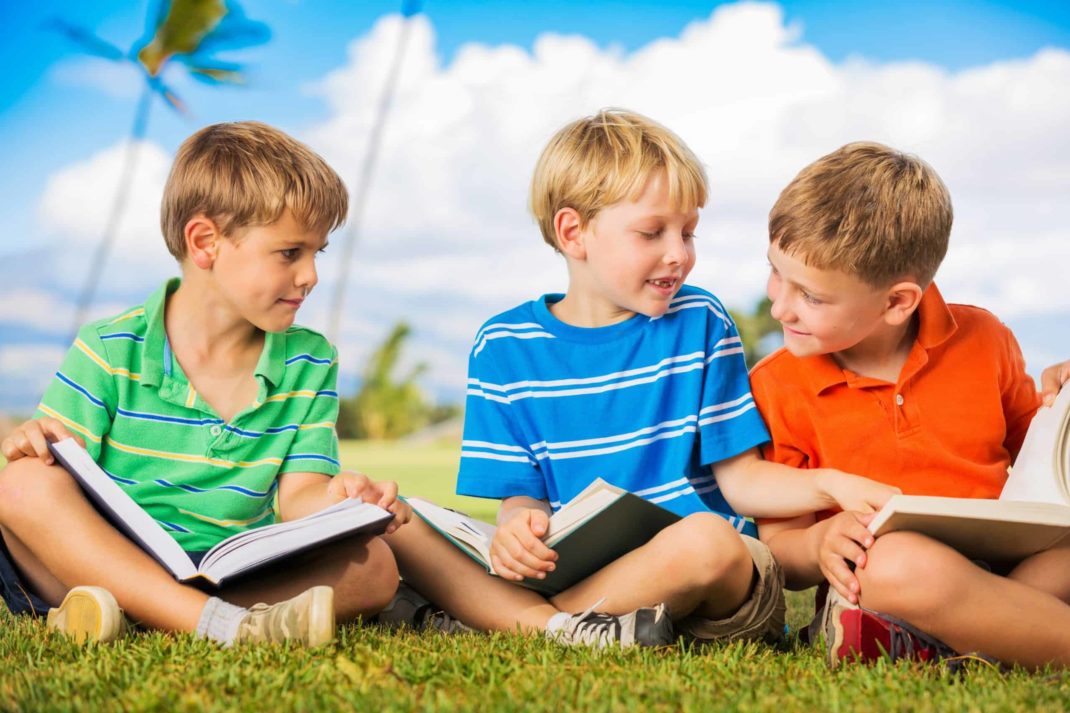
591, 627
904, 641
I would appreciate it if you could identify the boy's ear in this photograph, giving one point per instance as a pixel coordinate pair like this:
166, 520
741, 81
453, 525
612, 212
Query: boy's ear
903, 299
568, 229
202, 237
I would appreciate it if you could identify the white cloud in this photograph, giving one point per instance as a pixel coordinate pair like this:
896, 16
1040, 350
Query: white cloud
120, 80
446, 240
31, 365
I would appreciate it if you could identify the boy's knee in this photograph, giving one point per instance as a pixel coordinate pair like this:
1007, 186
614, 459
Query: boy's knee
372, 583
904, 569
28, 486
706, 550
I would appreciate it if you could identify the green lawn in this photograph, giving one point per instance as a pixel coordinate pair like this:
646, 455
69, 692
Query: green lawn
368, 669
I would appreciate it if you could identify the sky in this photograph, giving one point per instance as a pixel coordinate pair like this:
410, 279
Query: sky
981, 90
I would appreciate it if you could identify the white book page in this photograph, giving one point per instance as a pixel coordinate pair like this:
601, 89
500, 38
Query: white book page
152, 536
252, 547
1041, 471
474, 533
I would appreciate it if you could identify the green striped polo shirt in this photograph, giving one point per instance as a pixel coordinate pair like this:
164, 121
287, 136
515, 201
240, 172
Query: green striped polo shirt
200, 478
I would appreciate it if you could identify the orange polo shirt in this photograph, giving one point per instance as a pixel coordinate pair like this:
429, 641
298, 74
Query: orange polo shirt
950, 425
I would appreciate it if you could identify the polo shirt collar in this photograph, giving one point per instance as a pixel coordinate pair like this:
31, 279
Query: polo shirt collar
272, 360
155, 333
936, 324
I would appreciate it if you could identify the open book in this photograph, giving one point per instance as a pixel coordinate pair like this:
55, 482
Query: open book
598, 526
236, 555
1031, 515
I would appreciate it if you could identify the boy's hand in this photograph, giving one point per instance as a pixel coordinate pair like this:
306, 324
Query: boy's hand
517, 550
31, 439
383, 493
853, 492
845, 539
1052, 380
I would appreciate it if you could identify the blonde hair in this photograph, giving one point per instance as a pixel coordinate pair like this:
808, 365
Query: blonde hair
247, 173
600, 160
867, 210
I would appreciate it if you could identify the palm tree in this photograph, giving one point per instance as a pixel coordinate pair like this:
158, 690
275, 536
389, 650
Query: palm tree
187, 32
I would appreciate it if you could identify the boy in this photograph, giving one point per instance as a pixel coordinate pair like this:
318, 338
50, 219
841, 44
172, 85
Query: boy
879, 375
205, 405
633, 377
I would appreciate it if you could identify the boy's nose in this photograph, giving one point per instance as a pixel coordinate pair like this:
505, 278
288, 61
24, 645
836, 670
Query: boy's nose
675, 252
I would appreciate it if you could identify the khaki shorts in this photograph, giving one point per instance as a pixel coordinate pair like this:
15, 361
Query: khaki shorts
760, 618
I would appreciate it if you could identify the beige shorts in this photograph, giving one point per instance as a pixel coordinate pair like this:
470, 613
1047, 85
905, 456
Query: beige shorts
761, 618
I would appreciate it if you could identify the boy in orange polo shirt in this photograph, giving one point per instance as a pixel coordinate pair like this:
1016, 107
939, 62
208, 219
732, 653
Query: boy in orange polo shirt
879, 376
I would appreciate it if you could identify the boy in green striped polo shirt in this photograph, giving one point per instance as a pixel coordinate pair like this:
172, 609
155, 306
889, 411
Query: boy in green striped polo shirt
211, 409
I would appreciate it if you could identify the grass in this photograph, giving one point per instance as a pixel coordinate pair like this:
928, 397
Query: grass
370, 669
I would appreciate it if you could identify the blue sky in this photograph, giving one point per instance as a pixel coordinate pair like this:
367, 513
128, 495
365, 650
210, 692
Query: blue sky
862, 60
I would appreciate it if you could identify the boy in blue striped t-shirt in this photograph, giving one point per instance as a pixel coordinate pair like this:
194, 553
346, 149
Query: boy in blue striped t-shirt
636, 378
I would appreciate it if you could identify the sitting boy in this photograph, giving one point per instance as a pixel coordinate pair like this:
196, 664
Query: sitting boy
879, 375
633, 377
206, 404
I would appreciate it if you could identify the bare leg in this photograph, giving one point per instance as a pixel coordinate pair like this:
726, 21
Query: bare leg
697, 566
361, 570
448, 577
934, 588
74, 545
1047, 571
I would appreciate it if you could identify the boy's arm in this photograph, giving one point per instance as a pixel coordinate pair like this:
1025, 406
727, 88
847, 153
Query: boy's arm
761, 488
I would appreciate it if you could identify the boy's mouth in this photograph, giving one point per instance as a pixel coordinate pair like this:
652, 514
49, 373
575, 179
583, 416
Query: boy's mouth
293, 303
664, 283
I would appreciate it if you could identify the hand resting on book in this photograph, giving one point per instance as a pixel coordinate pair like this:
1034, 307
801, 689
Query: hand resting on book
31, 439
517, 550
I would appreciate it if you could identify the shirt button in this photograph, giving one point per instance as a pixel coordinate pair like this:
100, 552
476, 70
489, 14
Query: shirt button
215, 430
898, 399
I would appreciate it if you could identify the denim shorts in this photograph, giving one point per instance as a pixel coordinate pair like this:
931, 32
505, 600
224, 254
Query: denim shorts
17, 593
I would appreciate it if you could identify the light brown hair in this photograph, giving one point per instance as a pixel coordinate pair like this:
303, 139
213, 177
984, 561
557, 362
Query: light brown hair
603, 159
247, 173
867, 210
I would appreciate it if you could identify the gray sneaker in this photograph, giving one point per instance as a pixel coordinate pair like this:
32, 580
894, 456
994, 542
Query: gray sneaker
649, 626
307, 618
411, 609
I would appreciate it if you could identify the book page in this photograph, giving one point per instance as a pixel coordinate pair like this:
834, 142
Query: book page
595, 497
475, 534
1042, 470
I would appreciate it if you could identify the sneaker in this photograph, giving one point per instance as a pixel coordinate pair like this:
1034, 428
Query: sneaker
307, 618
854, 633
88, 614
411, 609
649, 626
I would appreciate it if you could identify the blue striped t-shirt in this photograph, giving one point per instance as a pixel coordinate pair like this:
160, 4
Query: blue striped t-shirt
646, 404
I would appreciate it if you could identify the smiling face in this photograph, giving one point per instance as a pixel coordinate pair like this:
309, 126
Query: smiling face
265, 272
822, 311
631, 257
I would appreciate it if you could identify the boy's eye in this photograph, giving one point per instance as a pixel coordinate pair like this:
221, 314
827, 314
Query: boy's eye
810, 298
289, 253
649, 234
689, 236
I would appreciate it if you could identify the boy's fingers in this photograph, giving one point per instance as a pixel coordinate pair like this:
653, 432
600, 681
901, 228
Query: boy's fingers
537, 547
388, 490
539, 522
523, 556
39, 444
516, 569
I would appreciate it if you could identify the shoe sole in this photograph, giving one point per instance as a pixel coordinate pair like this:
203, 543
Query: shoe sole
835, 629
321, 616
87, 614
